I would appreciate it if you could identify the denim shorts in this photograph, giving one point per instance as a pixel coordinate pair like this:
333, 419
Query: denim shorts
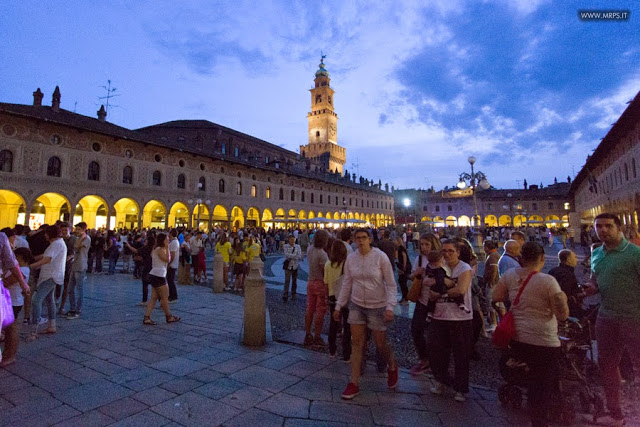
372, 317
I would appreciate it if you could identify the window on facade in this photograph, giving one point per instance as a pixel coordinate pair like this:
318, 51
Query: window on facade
437, 208
239, 189
236, 151
266, 160
550, 205
567, 206
54, 167
281, 194
534, 206
156, 179
94, 172
6, 161
267, 193
321, 199
221, 186
293, 195
311, 197
223, 149
127, 175
350, 201
633, 167
449, 208
181, 181
626, 172
302, 197
202, 184
254, 191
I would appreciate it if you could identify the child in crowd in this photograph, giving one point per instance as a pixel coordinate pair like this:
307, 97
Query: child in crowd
435, 270
12, 333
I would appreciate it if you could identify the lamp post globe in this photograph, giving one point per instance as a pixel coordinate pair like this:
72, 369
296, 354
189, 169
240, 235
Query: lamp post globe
471, 160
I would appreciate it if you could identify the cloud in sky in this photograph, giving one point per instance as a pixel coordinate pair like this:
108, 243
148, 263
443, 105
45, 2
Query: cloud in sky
524, 86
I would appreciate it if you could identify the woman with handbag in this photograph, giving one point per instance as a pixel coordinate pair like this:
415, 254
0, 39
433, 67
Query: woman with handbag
538, 305
428, 242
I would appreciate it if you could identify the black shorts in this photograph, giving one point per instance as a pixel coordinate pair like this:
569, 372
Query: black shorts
238, 269
157, 281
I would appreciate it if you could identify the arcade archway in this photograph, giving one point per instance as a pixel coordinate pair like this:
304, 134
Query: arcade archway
126, 213
237, 217
94, 211
179, 215
154, 215
12, 209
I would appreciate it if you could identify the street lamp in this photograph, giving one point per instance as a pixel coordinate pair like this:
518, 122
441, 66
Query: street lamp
198, 201
345, 211
475, 177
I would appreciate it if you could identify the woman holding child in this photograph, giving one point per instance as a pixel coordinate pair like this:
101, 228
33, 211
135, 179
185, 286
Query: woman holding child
451, 329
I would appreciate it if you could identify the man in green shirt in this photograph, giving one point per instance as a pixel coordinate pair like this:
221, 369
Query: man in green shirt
615, 271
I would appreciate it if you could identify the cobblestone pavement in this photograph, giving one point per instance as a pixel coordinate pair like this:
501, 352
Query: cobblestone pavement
106, 368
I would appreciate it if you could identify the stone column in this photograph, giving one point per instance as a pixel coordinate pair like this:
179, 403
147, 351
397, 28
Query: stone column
255, 306
27, 214
218, 273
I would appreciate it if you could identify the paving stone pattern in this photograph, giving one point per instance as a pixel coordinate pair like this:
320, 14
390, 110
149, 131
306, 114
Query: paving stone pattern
106, 368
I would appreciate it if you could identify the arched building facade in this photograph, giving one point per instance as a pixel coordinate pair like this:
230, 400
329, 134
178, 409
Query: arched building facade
55, 164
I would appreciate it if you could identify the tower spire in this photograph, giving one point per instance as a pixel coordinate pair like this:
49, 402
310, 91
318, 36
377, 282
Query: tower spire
323, 124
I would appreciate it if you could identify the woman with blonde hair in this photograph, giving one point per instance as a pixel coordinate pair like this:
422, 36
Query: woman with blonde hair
333, 274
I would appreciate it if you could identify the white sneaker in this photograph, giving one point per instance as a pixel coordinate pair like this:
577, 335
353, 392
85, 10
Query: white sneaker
42, 320
459, 397
437, 388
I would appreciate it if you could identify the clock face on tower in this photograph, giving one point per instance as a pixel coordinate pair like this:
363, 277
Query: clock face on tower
332, 130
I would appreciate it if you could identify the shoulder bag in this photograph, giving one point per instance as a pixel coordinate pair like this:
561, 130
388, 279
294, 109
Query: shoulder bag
506, 329
416, 285
6, 310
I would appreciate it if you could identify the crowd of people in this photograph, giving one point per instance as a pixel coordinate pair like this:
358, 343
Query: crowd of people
355, 276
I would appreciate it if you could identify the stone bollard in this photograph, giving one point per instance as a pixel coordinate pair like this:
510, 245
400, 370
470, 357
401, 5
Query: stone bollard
218, 273
255, 306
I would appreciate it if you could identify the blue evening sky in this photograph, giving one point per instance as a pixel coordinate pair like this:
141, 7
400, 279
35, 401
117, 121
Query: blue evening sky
525, 86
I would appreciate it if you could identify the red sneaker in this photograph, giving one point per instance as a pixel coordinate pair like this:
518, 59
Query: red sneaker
351, 391
392, 378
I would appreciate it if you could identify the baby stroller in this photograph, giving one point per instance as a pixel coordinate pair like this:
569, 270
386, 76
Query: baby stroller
577, 370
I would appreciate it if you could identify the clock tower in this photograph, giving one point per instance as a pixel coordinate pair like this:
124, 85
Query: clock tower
323, 125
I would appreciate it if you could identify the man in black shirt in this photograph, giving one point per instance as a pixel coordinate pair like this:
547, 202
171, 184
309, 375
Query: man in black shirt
566, 277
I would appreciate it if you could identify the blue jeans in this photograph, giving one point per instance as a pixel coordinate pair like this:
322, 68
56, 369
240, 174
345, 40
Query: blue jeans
113, 260
76, 284
44, 293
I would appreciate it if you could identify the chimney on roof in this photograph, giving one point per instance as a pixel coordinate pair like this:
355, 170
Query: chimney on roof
37, 98
102, 113
55, 100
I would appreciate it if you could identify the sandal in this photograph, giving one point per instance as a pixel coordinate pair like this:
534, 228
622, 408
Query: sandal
172, 319
147, 321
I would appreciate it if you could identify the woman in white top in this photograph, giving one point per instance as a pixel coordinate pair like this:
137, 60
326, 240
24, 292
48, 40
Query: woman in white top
451, 329
160, 258
369, 288
542, 303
